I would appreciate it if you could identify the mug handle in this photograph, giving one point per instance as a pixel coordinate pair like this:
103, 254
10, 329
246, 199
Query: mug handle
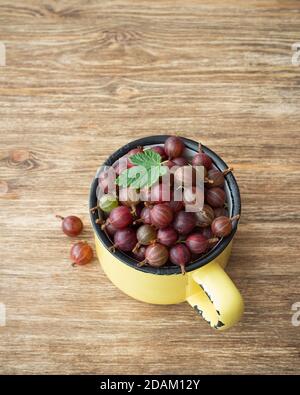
216, 298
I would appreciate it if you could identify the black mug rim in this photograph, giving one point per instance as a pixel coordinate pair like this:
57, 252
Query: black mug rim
167, 270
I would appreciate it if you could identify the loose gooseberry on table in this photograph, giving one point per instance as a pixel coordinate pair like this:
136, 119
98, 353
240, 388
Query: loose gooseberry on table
81, 253
71, 225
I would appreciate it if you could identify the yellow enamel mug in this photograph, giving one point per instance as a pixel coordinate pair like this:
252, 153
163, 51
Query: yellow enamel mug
205, 286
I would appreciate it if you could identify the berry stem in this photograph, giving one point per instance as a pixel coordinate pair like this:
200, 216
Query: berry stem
148, 204
101, 222
213, 240
225, 172
138, 221
236, 217
182, 269
112, 248
103, 226
93, 209
137, 246
60, 217
133, 210
144, 262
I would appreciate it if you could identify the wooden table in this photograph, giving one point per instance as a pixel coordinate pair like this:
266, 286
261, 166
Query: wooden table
83, 78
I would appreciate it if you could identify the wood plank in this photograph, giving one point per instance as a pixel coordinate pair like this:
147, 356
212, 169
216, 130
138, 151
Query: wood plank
83, 79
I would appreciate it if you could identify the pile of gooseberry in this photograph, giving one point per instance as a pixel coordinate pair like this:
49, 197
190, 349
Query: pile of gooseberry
81, 252
160, 232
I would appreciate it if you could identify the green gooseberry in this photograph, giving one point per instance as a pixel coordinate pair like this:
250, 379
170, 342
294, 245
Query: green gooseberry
108, 202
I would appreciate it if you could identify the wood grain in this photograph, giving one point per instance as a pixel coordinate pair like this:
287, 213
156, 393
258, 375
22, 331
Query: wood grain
84, 78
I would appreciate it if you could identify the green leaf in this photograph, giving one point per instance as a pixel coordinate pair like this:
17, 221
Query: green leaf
141, 178
153, 174
134, 177
162, 170
147, 158
122, 180
146, 171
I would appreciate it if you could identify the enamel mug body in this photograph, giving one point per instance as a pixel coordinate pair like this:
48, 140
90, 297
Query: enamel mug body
205, 286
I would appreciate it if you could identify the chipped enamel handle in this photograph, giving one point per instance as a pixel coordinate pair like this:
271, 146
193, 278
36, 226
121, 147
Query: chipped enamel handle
218, 300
